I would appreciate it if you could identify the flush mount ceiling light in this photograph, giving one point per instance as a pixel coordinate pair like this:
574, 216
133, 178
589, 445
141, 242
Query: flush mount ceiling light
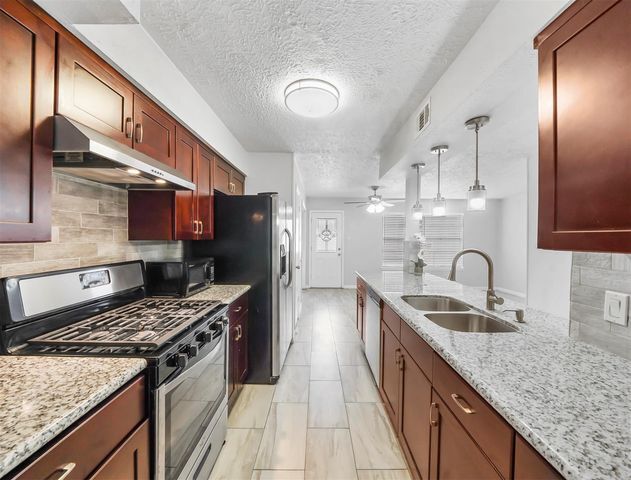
476, 196
417, 208
312, 98
439, 206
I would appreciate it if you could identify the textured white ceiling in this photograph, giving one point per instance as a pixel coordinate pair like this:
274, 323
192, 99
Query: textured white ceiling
383, 56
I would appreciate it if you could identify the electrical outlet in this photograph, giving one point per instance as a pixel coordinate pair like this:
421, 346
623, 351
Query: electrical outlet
617, 307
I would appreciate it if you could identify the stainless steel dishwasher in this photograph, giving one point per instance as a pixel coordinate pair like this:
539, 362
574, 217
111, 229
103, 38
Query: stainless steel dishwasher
373, 319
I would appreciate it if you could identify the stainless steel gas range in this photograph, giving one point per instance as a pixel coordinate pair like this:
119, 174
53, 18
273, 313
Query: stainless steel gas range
102, 311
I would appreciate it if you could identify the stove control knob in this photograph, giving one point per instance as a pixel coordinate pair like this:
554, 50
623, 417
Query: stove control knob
216, 326
205, 337
179, 360
193, 350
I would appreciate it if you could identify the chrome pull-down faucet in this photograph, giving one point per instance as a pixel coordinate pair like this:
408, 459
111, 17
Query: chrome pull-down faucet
492, 298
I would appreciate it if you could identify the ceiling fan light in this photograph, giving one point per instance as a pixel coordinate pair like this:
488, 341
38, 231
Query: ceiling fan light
312, 97
372, 208
476, 198
439, 206
417, 211
379, 208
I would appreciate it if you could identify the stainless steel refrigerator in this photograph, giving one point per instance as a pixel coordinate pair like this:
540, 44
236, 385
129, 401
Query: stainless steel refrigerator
253, 245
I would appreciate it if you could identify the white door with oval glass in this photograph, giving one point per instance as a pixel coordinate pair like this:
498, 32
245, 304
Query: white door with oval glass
325, 249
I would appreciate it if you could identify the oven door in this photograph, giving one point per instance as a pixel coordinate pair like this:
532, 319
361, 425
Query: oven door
187, 408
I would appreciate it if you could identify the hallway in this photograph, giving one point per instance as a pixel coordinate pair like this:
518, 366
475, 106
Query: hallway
324, 418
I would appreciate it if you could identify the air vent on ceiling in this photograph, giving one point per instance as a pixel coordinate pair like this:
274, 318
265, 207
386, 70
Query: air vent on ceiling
423, 118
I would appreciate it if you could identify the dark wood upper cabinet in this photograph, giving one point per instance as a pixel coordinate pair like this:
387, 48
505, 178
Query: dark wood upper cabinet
389, 373
186, 156
529, 465
204, 194
227, 179
584, 118
454, 455
222, 177
27, 83
154, 131
92, 93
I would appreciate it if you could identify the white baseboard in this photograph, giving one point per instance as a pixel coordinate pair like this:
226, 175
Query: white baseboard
352, 287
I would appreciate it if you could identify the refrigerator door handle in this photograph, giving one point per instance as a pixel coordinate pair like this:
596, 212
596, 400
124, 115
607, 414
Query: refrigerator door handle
289, 259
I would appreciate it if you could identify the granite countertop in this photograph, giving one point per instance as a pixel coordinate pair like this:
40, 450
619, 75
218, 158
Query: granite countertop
571, 401
42, 396
221, 293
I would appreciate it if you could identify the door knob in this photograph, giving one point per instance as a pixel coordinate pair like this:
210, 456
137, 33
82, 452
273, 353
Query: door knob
297, 267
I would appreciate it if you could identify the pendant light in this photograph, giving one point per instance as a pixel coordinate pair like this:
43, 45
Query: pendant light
417, 208
476, 196
439, 206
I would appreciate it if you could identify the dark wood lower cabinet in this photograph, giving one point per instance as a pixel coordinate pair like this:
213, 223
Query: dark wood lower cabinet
529, 465
389, 373
130, 460
112, 434
454, 454
414, 427
238, 347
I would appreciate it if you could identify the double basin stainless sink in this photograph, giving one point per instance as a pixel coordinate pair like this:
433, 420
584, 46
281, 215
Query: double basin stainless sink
455, 315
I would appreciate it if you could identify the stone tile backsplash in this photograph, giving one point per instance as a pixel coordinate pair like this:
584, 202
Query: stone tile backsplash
592, 275
89, 228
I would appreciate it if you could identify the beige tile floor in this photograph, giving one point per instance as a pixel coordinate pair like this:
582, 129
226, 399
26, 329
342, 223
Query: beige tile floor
324, 419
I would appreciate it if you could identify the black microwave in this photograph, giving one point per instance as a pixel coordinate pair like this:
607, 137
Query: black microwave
179, 278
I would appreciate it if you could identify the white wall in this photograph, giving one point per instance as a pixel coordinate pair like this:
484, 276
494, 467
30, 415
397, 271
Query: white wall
512, 245
362, 249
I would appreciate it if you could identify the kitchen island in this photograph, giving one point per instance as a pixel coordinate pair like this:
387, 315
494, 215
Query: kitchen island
569, 400
40, 397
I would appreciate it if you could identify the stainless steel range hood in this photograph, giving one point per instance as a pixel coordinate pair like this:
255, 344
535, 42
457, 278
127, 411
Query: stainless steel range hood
86, 153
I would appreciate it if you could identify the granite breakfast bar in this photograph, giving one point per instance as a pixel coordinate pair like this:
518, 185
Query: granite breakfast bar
569, 400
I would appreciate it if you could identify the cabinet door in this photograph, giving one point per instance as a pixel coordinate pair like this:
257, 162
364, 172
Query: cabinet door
221, 177
360, 314
390, 373
205, 194
27, 62
154, 131
584, 140
238, 183
233, 337
90, 92
130, 460
185, 201
414, 431
529, 465
242, 356
454, 455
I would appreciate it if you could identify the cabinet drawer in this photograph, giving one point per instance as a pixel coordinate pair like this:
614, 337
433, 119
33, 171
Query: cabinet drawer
392, 320
90, 442
418, 349
130, 460
238, 308
484, 424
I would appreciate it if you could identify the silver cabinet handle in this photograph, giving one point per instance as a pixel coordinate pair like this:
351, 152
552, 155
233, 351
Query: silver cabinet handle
139, 133
201, 226
462, 403
62, 472
128, 127
238, 309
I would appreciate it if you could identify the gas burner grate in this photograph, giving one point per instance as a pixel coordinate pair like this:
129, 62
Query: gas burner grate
147, 323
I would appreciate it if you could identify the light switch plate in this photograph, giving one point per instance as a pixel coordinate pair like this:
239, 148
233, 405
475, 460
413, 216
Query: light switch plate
616, 307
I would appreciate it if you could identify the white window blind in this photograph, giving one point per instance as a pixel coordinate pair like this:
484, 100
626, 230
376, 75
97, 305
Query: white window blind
393, 237
444, 239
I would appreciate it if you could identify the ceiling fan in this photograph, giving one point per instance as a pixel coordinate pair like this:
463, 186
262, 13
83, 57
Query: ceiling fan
375, 203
